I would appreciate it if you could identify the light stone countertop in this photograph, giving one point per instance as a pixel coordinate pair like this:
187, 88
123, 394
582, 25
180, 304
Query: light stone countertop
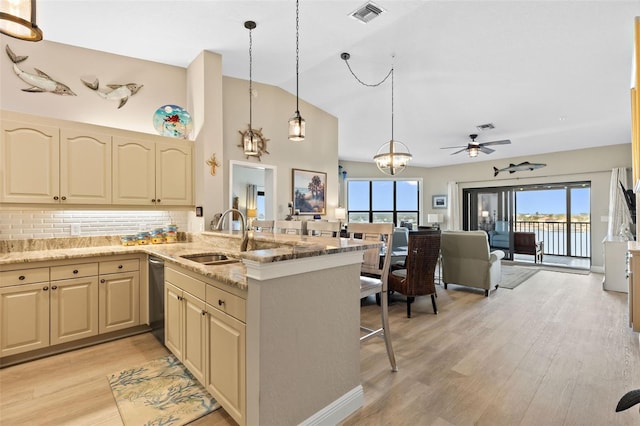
263, 248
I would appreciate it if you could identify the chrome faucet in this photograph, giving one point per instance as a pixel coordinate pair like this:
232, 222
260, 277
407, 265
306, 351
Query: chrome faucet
245, 233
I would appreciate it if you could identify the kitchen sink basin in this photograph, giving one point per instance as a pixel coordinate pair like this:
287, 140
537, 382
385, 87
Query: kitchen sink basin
210, 259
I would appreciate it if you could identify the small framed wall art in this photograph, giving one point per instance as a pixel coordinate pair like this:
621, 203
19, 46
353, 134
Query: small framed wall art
309, 191
439, 201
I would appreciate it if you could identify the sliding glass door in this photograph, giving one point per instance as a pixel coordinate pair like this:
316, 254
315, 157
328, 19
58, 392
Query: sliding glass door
558, 214
491, 210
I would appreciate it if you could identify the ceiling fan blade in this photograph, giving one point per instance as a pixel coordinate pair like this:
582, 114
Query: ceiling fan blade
452, 147
485, 149
458, 152
503, 142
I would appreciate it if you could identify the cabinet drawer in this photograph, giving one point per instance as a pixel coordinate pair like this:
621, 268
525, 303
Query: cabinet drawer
226, 302
185, 282
74, 271
24, 276
116, 266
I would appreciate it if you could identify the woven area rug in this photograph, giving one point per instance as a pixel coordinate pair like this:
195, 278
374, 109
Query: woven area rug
160, 392
513, 276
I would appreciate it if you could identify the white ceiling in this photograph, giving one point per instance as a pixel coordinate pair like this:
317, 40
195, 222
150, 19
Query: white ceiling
550, 75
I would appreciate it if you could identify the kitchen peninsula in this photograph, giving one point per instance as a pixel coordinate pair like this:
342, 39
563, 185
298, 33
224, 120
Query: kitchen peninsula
296, 299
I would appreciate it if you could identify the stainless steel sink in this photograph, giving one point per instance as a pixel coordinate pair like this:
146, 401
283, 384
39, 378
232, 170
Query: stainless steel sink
210, 259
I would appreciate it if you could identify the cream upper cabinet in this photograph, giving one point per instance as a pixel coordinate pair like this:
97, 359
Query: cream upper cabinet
134, 171
44, 161
29, 158
148, 173
85, 167
174, 174
46, 164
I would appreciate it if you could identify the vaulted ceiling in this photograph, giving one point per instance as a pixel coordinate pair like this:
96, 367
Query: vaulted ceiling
550, 75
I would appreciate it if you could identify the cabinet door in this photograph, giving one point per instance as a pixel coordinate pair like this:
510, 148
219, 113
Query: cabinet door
119, 301
30, 159
134, 172
24, 318
74, 309
85, 167
195, 323
226, 363
174, 175
173, 319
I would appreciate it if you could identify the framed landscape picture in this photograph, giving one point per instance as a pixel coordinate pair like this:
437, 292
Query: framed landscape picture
309, 191
439, 202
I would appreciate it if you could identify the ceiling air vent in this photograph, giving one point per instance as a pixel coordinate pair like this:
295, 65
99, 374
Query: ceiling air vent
367, 12
487, 126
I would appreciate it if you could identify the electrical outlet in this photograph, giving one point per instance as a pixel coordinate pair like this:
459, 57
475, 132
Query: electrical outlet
75, 229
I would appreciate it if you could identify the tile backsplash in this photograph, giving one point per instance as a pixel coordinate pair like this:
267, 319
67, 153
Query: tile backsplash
25, 224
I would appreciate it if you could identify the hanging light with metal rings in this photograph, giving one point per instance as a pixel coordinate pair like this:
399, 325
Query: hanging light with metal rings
392, 157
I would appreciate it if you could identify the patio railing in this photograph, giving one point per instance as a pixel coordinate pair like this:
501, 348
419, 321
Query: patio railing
554, 235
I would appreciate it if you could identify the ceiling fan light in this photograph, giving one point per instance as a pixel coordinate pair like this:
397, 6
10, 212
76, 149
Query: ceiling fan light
392, 157
473, 151
296, 127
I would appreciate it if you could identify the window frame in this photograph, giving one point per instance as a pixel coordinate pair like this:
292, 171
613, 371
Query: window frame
370, 212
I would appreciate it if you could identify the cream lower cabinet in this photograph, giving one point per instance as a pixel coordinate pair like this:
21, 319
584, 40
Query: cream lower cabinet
73, 302
208, 335
24, 318
185, 331
119, 295
226, 362
61, 302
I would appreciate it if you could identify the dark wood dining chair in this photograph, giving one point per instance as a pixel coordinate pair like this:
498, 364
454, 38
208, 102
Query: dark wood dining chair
418, 276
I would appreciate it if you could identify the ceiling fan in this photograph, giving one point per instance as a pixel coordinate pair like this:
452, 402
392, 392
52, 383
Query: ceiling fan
474, 148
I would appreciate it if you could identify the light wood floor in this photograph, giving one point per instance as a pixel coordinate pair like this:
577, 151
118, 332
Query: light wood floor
554, 351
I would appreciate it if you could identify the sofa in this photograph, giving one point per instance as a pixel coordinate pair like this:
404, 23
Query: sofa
467, 260
499, 237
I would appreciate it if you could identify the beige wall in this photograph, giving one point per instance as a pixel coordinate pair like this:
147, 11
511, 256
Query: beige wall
163, 84
272, 108
219, 107
592, 165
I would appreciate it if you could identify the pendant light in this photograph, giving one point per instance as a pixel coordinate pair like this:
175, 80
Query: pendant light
296, 122
392, 157
249, 140
18, 19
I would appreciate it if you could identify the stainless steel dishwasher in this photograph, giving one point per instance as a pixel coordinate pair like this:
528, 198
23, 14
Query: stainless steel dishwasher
156, 297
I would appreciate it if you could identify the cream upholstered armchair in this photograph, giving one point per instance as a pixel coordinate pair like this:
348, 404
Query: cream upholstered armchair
466, 260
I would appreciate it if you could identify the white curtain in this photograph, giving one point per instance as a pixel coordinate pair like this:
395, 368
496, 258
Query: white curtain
453, 210
618, 211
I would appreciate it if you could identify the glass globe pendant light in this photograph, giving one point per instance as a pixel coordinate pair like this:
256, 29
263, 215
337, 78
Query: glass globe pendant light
249, 140
296, 122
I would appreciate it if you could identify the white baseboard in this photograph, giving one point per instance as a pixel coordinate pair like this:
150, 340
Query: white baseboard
339, 409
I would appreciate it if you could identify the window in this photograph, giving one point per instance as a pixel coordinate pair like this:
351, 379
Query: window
390, 201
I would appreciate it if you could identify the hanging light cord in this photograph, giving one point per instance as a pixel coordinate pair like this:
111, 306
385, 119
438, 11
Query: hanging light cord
346, 56
297, 51
250, 80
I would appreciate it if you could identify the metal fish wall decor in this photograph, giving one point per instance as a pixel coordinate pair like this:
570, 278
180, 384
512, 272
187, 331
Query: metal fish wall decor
116, 92
39, 82
518, 167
